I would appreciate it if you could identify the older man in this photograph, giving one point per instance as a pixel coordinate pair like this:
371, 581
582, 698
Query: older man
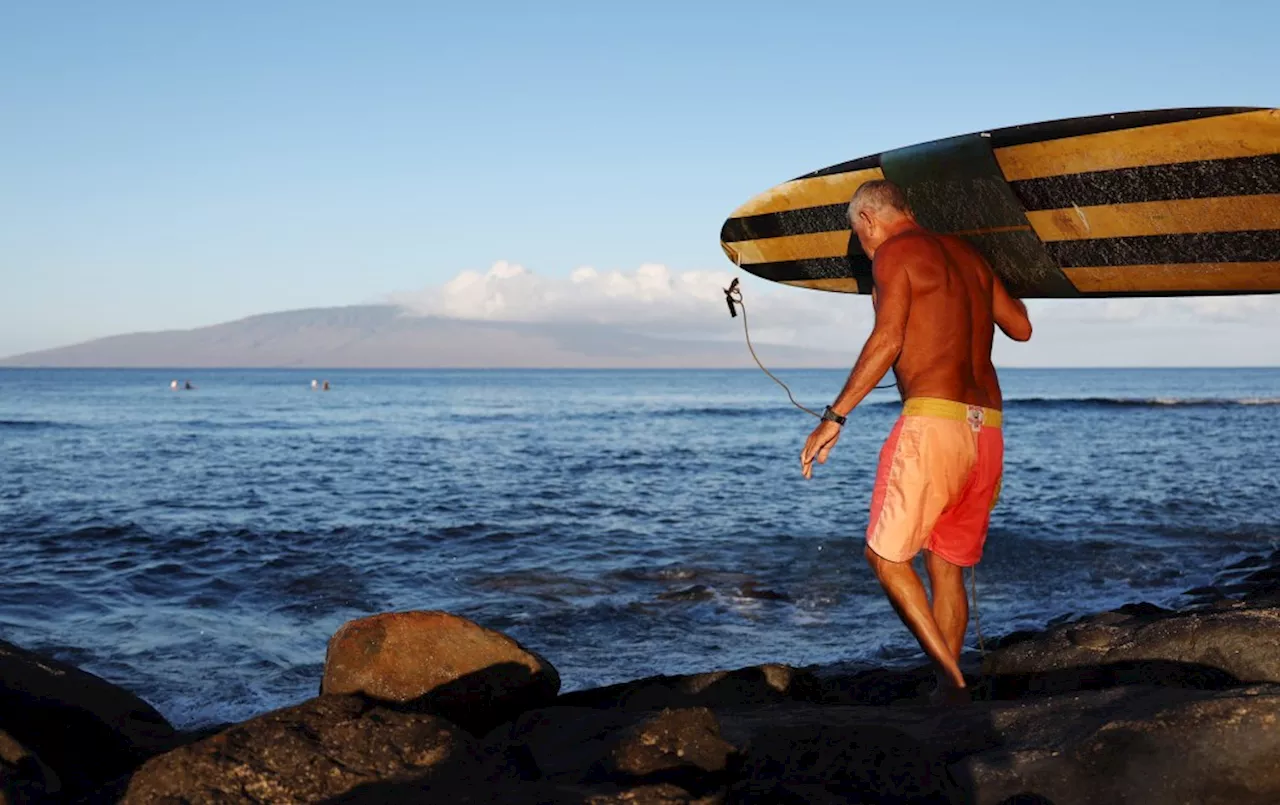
937, 303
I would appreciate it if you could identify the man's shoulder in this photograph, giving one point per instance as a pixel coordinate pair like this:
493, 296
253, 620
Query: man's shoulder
914, 248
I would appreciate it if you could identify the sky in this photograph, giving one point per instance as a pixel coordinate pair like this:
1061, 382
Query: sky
171, 165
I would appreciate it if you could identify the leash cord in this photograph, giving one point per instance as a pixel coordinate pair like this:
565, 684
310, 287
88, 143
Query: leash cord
977, 619
733, 295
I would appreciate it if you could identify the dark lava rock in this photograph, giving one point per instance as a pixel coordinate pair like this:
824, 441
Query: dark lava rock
757, 685
321, 749
698, 592
438, 663
581, 745
1242, 643
87, 730
1136, 745
840, 764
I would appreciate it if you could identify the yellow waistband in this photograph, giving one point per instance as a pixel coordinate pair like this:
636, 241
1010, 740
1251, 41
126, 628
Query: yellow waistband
949, 409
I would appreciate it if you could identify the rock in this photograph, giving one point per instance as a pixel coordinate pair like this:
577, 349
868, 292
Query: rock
698, 592
23, 777
570, 745
1135, 745
439, 663
511, 793
87, 730
662, 794
1239, 644
757, 685
321, 749
877, 686
829, 764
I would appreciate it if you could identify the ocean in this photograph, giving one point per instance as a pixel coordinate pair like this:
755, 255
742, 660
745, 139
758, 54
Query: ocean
200, 547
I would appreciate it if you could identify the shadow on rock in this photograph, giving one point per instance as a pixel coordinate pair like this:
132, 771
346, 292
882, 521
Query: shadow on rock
320, 749
862, 763
754, 686
1156, 673
439, 663
77, 727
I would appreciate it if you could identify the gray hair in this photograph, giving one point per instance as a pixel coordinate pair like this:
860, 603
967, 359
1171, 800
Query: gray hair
878, 195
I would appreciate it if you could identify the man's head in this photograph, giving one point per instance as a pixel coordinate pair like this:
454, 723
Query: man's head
878, 211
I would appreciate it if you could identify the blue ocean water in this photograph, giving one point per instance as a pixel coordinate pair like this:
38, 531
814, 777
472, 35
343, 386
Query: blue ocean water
200, 547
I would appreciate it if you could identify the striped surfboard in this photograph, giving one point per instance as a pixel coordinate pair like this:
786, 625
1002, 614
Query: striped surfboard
1161, 203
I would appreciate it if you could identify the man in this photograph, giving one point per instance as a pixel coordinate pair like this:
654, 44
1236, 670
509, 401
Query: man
936, 305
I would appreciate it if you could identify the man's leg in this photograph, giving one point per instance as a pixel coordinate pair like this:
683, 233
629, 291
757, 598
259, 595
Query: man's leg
950, 603
907, 595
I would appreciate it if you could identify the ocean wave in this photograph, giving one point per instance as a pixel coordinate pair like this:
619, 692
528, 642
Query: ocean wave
1140, 402
716, 411
31, 424
1115, 402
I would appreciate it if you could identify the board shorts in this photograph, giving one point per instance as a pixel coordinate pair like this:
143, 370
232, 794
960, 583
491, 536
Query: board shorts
939, 477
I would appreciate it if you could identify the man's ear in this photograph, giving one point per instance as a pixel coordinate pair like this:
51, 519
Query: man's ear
868, 219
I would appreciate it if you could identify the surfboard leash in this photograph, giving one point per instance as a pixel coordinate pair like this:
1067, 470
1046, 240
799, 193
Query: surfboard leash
733, 298
977, 619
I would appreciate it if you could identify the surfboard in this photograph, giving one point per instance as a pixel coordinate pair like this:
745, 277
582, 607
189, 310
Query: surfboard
1172, 202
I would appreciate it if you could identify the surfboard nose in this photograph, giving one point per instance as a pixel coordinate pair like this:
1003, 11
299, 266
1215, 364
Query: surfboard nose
730, 252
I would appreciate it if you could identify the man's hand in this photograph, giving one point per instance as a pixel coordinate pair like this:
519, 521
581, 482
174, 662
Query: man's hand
819, 444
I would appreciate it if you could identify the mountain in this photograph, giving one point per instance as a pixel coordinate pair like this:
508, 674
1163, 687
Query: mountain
384, 336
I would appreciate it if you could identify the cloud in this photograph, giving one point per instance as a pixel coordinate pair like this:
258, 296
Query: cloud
1192, 310
651, 299
655, 301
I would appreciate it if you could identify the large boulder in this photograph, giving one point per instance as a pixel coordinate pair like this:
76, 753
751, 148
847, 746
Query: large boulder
87, 730
439, 663
321, 749
1240, 641
1135, 745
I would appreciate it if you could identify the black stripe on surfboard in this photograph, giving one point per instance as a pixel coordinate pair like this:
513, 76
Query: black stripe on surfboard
804, 221
1099, 124
1202, 247
1213, 178
814, 268
860, 164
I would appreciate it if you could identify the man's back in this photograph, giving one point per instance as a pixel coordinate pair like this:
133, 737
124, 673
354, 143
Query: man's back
946, 350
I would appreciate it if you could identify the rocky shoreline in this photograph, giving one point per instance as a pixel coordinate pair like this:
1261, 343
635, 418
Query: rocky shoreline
1137, 705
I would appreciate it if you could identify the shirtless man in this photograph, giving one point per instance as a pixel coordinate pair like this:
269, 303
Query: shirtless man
937, 303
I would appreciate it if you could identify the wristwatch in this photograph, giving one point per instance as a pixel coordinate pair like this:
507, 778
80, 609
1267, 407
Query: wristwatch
830, 415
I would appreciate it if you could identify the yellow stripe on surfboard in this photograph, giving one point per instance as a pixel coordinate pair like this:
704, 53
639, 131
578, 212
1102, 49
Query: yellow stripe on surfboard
1246, 134
1177, 277
1181, 217
818, 191
792, 247
837, 284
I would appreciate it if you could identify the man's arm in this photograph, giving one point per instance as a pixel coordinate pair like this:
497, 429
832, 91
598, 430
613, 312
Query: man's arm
892, 302
1010, 314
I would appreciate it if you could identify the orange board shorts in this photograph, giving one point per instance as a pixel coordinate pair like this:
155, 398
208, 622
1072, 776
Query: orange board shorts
939, 477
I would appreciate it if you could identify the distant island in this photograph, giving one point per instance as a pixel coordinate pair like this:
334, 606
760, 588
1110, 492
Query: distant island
387, 336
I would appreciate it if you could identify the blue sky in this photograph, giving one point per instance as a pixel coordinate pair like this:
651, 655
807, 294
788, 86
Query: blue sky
179, 164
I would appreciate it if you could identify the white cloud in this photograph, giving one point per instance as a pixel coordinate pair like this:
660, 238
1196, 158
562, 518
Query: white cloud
1163, 311
654, 300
